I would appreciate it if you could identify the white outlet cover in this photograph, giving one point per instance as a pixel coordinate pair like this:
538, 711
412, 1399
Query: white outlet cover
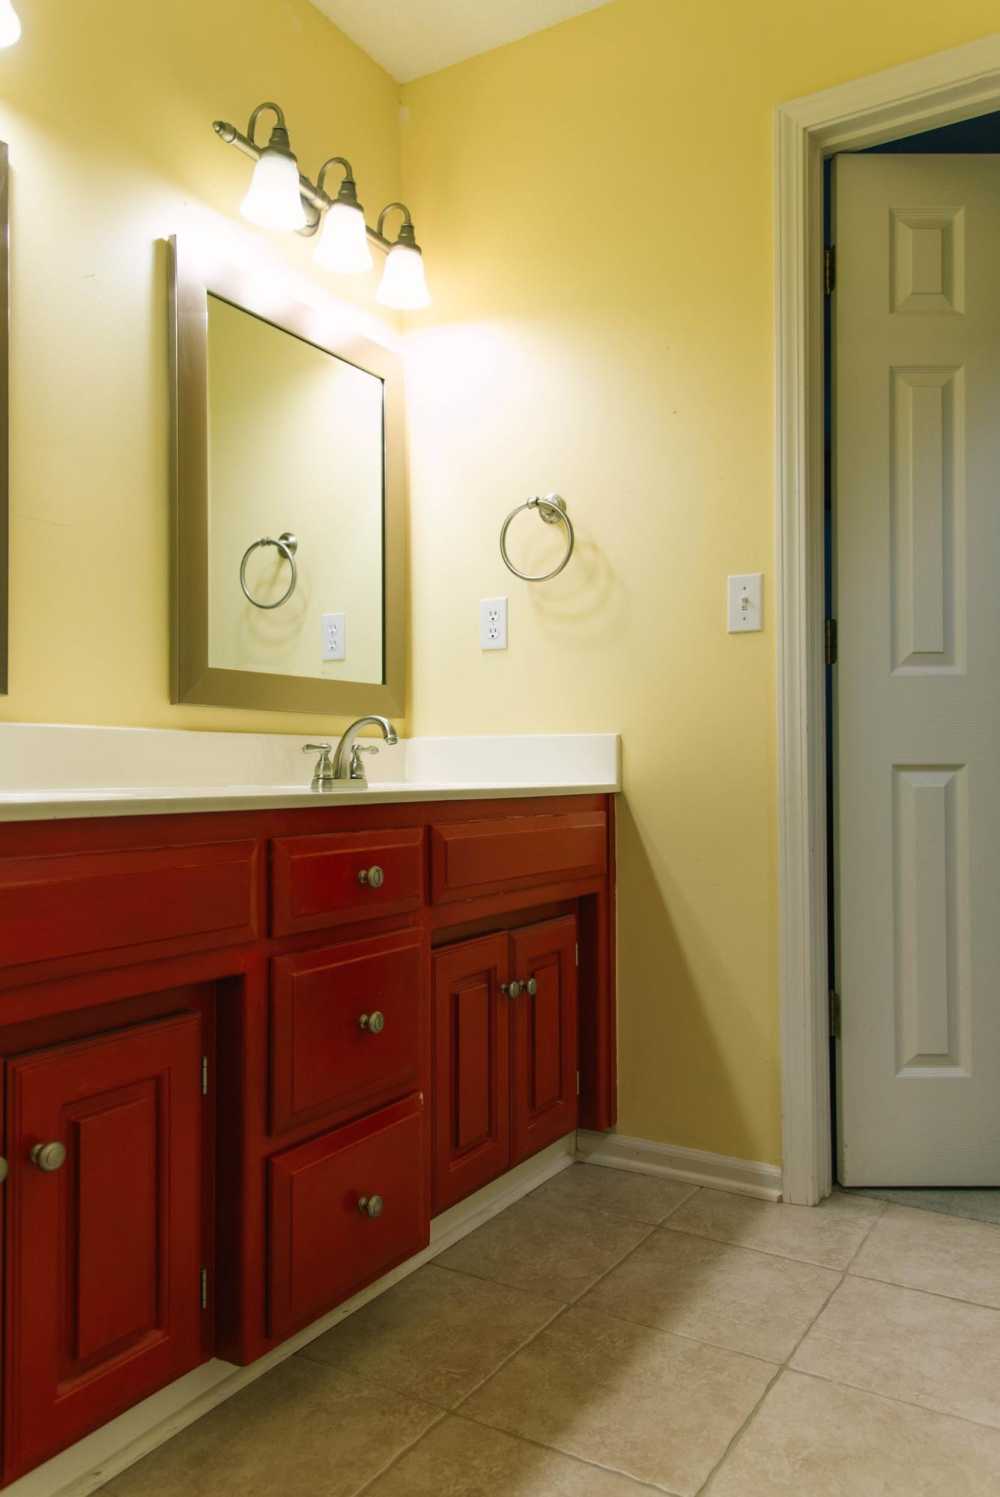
334, 636
745, 602
493, 623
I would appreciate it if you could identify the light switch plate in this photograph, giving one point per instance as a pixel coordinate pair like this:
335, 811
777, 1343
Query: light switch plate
493, 623
745, 600
334, 627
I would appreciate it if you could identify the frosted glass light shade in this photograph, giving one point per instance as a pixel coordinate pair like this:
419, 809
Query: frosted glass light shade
403, 284
10, 24
343, 241
273, 200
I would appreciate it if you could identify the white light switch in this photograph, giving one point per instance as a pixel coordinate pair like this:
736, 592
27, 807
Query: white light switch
745, 597
334, 636
493, 623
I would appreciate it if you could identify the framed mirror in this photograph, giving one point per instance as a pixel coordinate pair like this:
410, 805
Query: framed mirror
4, 417
288, 502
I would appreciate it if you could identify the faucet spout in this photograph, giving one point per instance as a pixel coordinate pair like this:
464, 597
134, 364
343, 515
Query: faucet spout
347, 763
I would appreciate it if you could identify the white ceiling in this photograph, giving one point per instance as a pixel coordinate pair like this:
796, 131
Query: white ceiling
413, 37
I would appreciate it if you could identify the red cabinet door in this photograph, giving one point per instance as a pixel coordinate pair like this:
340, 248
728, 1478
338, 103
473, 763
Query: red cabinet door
104, 1259
544, 1036
471, 1068
344, 1209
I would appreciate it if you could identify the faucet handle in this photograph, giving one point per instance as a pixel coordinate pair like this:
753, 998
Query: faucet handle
323, 773
357, 770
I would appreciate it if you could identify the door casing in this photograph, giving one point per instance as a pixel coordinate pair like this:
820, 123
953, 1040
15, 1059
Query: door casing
936, 90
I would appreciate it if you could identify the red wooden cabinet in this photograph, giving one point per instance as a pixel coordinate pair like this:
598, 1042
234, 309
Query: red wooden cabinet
544, 1034
505, 1053
347, 1026
344, 1209
471, 1068
320, 881
105, 1231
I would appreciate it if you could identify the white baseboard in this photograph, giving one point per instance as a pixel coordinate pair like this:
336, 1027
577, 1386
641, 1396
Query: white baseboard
744, 1176
91, 1462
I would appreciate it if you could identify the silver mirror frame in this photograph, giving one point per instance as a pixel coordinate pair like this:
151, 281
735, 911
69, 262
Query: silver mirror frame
193, 678
4, 419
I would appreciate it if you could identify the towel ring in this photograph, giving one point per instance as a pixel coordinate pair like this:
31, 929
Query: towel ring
287, 544
552, 509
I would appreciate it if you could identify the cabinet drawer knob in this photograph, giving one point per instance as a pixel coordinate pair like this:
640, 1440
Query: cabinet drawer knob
49, 1157
512, 989
531, 987
372, 1023
370, 1206
372, 878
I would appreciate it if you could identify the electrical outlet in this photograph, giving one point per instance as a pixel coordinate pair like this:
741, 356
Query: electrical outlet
745, 607
334, 636
493, 623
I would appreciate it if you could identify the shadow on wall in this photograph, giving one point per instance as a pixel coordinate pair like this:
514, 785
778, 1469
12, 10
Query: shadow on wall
665, 1026
584, 604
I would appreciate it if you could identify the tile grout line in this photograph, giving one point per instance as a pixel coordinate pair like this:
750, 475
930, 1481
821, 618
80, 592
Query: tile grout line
569, 1455
366, 1486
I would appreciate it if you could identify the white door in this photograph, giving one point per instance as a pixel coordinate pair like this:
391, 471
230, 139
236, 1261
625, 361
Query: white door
917, 712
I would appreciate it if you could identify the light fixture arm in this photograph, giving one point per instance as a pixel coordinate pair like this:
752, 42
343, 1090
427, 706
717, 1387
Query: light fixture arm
279, 124
406, 234
348, 181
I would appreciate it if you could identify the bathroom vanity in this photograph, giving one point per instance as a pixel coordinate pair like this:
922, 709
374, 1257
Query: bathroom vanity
249, 1051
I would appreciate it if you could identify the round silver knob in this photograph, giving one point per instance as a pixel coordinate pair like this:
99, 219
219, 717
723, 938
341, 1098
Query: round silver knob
370, 1206
531, 987
373, 1023
372, 878
512, 989
49, 1157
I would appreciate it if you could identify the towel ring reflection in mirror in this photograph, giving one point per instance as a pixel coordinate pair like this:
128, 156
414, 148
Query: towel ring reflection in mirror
552, 509
287, 544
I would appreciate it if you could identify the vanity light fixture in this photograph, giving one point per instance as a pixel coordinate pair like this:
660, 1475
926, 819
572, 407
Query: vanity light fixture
280, 197
10, 24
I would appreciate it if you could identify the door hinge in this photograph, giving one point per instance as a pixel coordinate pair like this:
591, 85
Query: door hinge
204, 1289
834, 1014
577, 951
829, 268
204, 1075
830, 641
578, 1083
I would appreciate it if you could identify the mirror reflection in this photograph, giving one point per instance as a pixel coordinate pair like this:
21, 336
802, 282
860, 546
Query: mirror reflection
295, 505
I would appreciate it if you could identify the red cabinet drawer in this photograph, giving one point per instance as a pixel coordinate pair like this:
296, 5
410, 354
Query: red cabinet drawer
324, 1059
326, 880
324, 1246
76, 904
474, 858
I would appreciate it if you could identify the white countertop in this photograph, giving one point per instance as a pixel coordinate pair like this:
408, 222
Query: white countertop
51, 772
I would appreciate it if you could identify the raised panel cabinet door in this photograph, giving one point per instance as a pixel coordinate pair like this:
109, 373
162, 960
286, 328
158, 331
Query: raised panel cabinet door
543, 1036
471, 1068
104, 1212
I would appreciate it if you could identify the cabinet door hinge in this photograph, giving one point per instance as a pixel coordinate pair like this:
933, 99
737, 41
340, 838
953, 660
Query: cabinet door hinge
204, 1289
829, 268
834, 1014
577, 952
830, 641
204, 1075
578, 1083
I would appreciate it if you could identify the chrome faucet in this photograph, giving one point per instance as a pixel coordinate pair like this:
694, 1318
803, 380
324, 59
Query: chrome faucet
347, 762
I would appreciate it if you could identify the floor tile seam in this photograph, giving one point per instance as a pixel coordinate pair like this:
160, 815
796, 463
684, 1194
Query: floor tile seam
649, 1486
738, 1434
906, 1403
951, 1299
412, 1444
558, 1311
865, 1236
481, 1278
838, 1268
659, 1330
611, 1269
637, 1221
812, 1324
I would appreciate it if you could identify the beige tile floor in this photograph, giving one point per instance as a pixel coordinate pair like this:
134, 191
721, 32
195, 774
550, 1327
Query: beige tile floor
613, 1334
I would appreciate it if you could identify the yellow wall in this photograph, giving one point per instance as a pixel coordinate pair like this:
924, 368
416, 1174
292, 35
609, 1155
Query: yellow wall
595, 205
107, 107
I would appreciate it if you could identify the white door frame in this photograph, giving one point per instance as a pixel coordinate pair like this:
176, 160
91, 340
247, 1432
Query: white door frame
937, 90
